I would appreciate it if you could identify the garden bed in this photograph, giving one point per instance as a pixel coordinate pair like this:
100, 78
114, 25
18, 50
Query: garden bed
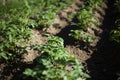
68, 42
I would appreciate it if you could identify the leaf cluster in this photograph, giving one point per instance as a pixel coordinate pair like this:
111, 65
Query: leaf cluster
55, 63
12, 37
17, 16
48, 10
86, 19
82, 36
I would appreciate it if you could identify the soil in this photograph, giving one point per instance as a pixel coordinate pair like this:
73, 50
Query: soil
101, 59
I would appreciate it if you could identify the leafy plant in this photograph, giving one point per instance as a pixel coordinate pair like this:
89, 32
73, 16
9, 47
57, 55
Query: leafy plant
82, 36
14, 30
11, 37
17, 16
86, 15
55, 63
115, 35
86, 18
50, 10
94, 4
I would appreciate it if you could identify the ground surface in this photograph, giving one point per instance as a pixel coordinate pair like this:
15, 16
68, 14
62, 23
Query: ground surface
101, 61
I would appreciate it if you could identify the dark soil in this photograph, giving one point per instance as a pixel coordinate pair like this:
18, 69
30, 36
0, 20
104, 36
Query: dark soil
104, 63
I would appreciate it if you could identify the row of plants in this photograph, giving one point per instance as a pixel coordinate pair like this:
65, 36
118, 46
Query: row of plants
14, 34
86, 18
16, 20
55, 63
48, 12
35, 13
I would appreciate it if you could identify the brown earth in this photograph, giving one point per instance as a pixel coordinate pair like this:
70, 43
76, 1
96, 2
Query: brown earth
101, 60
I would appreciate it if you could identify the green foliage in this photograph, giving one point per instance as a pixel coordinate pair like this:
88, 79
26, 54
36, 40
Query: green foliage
33, 13
12, 36
15, 18
50, 10
82, 36
94, 4
86, 15
14, 32
55, 63
116, 35
86, 18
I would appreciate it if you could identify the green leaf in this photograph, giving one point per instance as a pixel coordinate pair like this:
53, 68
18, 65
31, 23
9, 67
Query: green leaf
29, 72
10, 38
4, 55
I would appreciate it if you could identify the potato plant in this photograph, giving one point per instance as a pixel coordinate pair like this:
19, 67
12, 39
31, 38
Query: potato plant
55, 63
49, 10
13, 38
17, 16
14, 33
85, 19
94, 4
82, 36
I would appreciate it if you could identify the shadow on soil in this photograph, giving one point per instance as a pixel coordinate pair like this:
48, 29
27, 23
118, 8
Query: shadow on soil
65, 34
104, 63
68, 40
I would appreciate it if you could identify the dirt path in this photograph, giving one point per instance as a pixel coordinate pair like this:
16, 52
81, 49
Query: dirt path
104, 62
